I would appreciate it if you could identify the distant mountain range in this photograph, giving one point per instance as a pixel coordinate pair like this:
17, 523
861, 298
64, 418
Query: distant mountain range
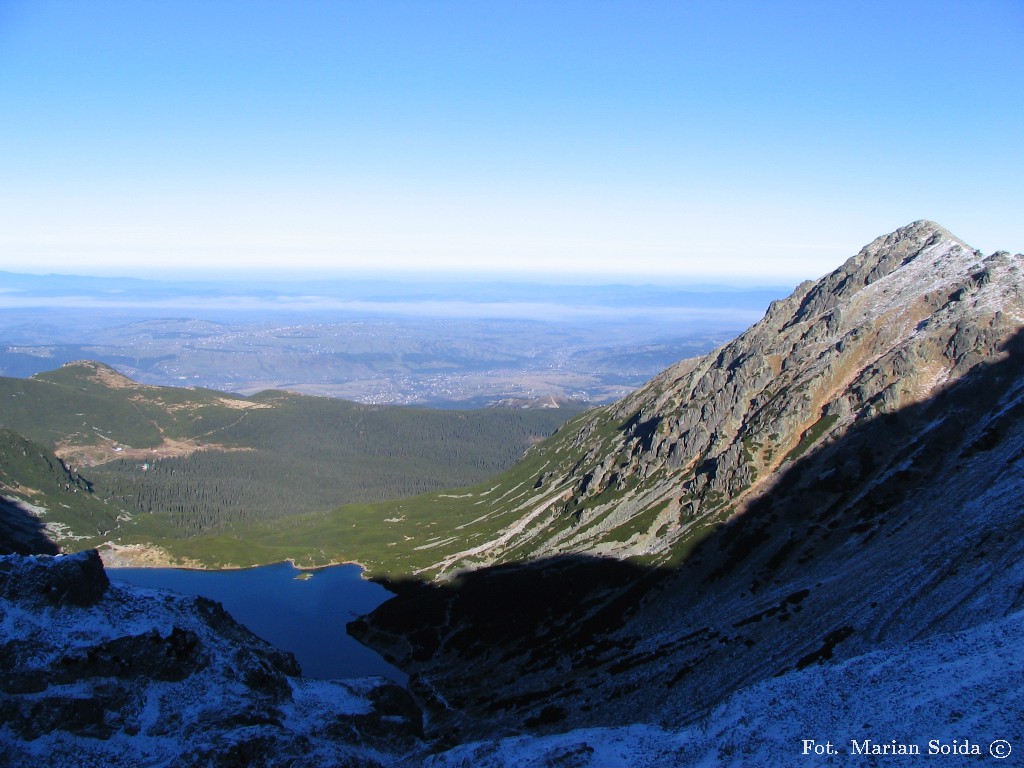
810, 535
520, 298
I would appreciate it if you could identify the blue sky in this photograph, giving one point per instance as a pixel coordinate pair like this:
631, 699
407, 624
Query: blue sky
746, 142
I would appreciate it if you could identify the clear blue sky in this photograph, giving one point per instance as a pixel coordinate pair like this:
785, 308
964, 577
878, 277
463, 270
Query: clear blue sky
750, 141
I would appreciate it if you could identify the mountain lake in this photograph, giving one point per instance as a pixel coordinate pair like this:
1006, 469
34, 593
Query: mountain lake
300, 611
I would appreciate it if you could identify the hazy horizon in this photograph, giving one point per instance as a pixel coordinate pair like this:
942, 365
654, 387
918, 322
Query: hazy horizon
409, 277
548, 301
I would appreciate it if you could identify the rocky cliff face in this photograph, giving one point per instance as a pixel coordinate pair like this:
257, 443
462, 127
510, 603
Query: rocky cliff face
841, 479
908, 316
95, 674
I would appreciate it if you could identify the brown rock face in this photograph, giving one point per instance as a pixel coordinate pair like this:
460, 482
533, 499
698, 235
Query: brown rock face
843, 476
910, 314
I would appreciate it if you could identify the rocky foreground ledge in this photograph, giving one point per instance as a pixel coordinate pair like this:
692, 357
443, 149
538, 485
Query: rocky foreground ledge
98, 674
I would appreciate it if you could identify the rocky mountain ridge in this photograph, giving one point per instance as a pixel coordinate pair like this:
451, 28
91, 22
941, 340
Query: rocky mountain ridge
843, 478
911, 313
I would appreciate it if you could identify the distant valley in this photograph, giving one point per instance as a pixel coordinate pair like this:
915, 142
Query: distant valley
463, 345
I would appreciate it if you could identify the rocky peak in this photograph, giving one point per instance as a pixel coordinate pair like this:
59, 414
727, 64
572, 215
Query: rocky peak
843, 477
924, 242
911, 313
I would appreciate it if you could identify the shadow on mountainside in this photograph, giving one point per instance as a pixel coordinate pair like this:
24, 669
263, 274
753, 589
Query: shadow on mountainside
22, 533
908, 524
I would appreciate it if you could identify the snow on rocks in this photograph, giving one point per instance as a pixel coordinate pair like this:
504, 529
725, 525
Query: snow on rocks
952, 696
100, 674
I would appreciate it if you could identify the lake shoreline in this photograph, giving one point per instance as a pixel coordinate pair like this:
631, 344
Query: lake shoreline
153, 556
308, 621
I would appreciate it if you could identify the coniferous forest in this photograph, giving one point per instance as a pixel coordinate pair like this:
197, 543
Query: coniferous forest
186, 462
374, 454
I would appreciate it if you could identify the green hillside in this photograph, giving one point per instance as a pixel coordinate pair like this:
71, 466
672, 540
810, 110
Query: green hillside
189, 462
402, 536
309, 454
88, 405
37, 488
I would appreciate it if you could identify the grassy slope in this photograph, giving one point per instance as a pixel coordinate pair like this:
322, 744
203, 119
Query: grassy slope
72, 404
398, 537
299, 454
391, 538
32, 473
433, 532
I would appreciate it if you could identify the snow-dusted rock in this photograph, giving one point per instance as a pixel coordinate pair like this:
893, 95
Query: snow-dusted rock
845, 477
97, 674
928, 699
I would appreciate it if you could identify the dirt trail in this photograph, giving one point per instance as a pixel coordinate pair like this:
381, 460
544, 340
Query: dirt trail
142, 556
90, 455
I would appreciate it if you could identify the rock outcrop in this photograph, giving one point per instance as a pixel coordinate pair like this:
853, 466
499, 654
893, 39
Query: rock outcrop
905, 318
844, 477
77, 580
97, 674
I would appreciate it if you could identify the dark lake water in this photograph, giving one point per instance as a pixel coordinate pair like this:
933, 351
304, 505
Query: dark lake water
304, 616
